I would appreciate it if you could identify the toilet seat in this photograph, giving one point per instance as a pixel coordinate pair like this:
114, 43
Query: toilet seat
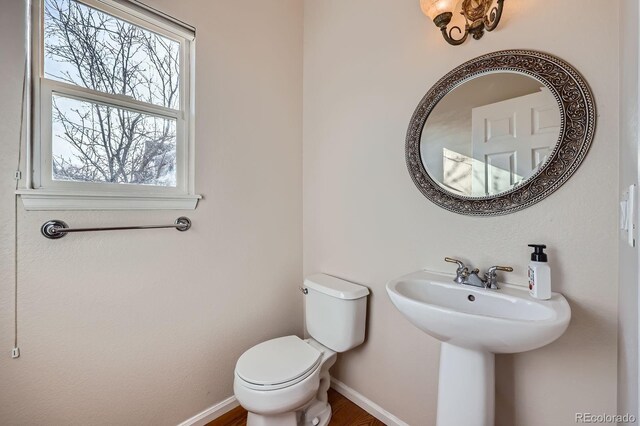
277, 363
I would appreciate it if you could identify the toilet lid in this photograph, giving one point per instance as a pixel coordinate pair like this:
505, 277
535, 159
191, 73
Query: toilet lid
277, 361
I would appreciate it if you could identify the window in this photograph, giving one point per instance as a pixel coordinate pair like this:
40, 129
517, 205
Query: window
113, 107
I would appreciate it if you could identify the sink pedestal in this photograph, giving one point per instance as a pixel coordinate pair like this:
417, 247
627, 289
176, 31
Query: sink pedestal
466, 387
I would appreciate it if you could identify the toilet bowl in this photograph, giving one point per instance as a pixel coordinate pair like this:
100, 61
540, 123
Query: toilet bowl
284, 381
278, 380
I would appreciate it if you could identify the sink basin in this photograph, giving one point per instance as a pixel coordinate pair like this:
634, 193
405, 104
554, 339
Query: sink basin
500, 321
473, 324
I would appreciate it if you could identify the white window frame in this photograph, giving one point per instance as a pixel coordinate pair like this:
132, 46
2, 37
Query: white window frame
44, 193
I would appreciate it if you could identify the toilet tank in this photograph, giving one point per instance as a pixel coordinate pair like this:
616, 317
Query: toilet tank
335, 311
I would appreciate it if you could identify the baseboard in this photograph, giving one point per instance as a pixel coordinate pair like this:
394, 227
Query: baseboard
366, 404
212, 412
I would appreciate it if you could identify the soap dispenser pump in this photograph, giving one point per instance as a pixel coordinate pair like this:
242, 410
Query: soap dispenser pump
539, 273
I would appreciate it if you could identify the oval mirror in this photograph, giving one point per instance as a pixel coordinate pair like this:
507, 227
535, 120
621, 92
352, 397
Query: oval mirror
500, 133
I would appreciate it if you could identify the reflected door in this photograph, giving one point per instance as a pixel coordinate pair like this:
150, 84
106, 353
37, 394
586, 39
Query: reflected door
511, 139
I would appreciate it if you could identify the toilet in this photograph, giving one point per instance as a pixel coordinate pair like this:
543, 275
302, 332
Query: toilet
284, 381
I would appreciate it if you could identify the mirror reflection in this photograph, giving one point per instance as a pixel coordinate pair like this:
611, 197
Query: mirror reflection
490, 134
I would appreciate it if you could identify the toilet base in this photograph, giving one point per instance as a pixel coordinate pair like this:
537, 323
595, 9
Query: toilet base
317, 414
284, 419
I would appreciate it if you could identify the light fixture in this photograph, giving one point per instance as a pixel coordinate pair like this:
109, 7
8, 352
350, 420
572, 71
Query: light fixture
479, 16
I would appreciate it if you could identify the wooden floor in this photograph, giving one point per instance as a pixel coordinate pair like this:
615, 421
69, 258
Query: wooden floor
345, 413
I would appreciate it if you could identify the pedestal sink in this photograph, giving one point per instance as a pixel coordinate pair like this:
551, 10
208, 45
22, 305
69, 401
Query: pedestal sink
473, 324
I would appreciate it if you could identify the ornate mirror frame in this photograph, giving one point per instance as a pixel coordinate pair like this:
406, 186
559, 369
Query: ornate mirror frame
578, 118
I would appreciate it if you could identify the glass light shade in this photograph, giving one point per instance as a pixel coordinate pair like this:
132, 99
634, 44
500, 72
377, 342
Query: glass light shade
433, 8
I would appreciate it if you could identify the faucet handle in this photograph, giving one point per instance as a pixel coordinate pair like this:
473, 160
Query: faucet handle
461, 273
491, 276
461, 266
493, 269
452, 260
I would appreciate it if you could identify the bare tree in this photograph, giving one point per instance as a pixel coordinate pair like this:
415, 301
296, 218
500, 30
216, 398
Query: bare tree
100, 142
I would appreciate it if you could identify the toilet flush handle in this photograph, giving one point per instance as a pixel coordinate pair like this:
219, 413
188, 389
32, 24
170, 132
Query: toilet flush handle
304, 290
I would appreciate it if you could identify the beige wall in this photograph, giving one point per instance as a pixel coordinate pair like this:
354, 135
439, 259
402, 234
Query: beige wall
628, 291
145, 327
367, 63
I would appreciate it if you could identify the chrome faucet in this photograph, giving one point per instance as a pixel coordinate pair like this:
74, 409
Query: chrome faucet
467, 277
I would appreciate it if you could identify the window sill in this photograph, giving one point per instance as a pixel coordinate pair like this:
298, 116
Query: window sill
37, 199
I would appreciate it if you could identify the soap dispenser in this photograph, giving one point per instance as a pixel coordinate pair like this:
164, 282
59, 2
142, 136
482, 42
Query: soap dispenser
539, 273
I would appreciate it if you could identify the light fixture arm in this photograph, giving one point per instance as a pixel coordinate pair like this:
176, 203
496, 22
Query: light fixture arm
447, 35
493, 18
442, 21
